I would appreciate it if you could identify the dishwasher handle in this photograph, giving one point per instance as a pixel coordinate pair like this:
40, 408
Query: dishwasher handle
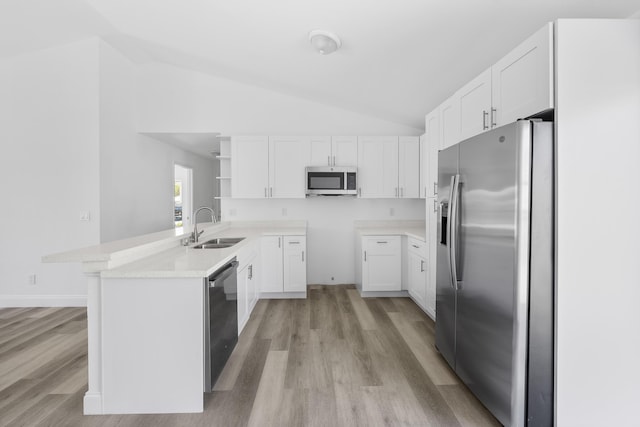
222, 273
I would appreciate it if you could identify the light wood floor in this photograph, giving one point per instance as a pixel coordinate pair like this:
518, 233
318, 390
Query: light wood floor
333, 359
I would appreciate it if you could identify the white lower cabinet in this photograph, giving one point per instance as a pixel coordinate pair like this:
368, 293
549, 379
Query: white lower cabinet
284, 266
417, 271
295, 264
247, 295
381, 263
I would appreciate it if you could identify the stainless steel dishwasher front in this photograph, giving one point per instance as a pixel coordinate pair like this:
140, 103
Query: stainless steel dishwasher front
221, 321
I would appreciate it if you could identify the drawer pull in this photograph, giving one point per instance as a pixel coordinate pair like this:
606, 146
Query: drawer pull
416, 246
382, 242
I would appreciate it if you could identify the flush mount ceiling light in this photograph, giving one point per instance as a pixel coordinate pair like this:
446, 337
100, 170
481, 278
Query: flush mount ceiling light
324, 42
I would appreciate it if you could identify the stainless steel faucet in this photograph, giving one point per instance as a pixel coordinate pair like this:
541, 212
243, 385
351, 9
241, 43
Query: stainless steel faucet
196, 234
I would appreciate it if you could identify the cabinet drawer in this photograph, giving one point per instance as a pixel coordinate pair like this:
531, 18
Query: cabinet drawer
417, 246
382, 244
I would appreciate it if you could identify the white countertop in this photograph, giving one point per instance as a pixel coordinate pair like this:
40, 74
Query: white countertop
161, 254
415, 229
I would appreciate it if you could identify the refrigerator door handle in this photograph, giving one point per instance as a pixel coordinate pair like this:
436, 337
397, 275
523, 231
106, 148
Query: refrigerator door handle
448, 231
453, 225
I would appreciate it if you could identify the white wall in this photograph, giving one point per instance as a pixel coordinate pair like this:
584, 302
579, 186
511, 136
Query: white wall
330, 226
136, 171
49, 170
598, 231
172, 99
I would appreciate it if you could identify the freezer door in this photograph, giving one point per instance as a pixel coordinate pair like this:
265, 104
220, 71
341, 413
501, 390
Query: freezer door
490, 188
445, 292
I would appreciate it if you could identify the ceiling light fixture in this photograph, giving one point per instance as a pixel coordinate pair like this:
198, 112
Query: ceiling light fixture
324, 42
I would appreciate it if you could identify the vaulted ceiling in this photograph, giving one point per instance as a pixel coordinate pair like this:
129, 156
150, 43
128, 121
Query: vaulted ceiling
398, 60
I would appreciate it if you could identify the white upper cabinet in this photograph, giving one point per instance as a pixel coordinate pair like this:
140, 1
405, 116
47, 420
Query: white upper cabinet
288, 158
249, 167
378, 166
522, 81
520, 85
334, 151
344, 150
450, 122
320, 151
409, 167
475, 106
264, 167
430, 157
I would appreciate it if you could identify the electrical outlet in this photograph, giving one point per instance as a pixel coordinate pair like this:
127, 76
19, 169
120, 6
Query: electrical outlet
85, 216
33, 279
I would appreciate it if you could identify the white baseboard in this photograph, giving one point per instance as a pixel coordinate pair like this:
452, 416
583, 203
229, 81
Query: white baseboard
43, 301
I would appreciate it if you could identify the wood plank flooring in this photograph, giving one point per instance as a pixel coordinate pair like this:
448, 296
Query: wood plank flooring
333, 359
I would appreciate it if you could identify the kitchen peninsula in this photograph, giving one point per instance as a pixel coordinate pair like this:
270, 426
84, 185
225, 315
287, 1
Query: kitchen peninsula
145, 314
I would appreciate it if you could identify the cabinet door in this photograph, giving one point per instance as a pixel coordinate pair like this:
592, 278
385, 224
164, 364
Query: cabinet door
523, 79
409, 167
249, 167
417, 278
378, 166
243, 311
381, 266
271, 264
432, 132
344, 150
288, 158
475, 106
320, 151
432, 232
450, 122
295, 264
252, 285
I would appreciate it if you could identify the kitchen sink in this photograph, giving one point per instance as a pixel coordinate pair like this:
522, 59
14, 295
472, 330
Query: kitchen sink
219, 243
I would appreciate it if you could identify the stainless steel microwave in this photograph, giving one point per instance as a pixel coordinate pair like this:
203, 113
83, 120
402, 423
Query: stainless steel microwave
331, 181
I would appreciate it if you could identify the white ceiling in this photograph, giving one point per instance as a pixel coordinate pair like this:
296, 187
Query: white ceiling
399, 58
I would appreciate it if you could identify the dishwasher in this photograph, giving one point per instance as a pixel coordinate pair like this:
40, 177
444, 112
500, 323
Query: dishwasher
221, 321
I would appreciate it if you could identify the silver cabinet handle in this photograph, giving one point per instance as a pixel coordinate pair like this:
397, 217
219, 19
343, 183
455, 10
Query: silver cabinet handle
302, 256
328, 160
494, 114
396, 191
382, 242
435, 188
294, 243
421, 266
278, 241
359, 192
251, 272
270, 191
265, 192
365, 256
435, 206
416, 246
425, 191
485, 116
334, 160
401, 191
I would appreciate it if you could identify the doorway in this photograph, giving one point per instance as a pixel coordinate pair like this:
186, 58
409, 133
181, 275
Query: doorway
182, 196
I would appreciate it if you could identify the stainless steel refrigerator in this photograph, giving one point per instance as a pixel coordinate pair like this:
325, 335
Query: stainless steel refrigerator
495, 286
